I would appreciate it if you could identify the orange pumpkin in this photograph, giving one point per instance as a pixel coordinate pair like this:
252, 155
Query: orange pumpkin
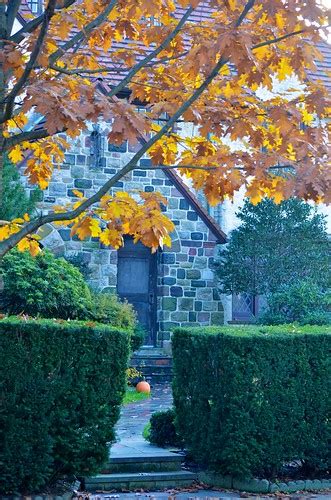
143, 387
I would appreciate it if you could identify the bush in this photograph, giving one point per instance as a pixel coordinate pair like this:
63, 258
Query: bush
302, 302
107, 308
138, 337
249, 399
62, 384
43, 285
162, 430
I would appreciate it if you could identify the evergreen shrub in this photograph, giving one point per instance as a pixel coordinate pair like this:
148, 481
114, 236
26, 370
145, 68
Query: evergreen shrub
162, 430
61, 388
301, 302
250, 399
43, 285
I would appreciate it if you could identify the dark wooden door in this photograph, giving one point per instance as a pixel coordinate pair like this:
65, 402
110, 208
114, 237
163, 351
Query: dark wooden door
136, 282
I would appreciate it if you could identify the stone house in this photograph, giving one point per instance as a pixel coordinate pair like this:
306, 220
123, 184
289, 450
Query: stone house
175, 286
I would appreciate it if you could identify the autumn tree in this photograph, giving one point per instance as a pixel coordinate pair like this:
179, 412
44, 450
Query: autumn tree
182, 65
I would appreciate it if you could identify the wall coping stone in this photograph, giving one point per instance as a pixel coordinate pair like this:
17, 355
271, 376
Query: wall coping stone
262, 485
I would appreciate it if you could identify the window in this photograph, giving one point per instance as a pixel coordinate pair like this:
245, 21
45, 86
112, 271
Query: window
244, 307
36, 6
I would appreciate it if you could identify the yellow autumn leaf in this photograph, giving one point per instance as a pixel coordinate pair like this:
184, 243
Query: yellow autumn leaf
95, 228
307, 118
280, 21
284, 69
291, 152
23, 245
16, 154
34, 248
4, 232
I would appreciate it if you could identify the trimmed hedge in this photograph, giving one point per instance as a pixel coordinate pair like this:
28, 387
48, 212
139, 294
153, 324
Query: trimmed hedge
249, 399
61, 387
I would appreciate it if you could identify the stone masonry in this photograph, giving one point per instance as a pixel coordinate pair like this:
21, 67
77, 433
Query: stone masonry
186, 289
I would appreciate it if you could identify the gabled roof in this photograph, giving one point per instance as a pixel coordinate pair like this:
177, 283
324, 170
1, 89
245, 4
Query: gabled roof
210, 222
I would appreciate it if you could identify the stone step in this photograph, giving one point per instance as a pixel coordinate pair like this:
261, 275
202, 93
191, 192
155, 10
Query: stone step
164, 361
142, 480
155, 369
161, 462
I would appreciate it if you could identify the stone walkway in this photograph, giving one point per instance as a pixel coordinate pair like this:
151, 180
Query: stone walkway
207, 495
134, 417
130, 442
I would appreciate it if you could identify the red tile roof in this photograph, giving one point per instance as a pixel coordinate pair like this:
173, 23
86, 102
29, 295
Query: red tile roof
200, 14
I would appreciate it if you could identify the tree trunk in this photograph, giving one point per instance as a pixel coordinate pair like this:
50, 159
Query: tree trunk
3, 36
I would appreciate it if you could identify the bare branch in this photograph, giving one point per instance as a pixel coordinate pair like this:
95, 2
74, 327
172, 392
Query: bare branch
10, 99
34, 23
83, 33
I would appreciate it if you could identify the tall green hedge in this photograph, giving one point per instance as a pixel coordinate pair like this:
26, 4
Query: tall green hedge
249, 399
61, 387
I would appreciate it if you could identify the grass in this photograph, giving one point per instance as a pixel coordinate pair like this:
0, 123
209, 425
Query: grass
132, 396
147, 431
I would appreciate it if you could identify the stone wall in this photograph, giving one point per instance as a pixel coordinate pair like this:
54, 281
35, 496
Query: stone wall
185, 284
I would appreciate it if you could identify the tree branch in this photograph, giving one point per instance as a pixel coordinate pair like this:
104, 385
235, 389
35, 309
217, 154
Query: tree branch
34, 23
10, 99
151, 55
32, 135
79, 71
279, 39
88, 28
249, 5
32, 226
12, 10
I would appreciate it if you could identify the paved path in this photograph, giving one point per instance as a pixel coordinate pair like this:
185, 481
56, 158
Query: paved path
207, 495
134, 417
129, 429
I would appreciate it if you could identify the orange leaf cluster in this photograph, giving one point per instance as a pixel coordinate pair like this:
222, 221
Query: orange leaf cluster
237, 75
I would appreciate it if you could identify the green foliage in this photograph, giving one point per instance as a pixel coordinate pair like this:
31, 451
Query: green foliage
16, 202
275, 245
146, 431
162, 430
107, 308
43, 285
254, 398
62, 384
133, 376
301, 302
138, 337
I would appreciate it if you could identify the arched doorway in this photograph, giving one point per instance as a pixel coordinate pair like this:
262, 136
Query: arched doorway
136, 282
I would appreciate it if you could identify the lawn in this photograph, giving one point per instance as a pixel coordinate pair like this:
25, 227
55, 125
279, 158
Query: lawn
132, 396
